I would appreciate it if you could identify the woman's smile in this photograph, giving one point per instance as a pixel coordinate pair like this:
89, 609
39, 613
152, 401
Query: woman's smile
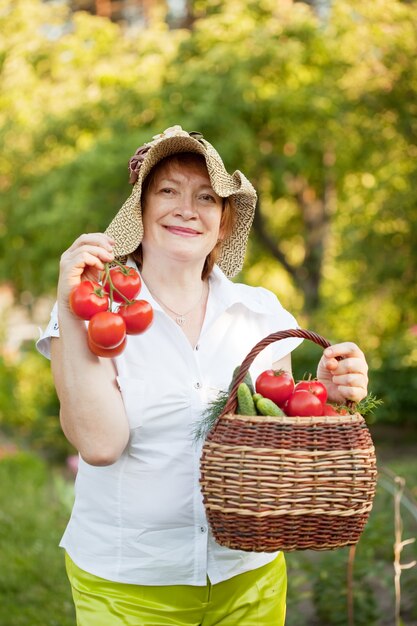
182, 231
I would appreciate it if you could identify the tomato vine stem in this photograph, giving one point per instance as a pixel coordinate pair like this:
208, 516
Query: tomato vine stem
112, 288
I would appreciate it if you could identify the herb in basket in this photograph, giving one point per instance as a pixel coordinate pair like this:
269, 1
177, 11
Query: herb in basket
366, 406
215, 408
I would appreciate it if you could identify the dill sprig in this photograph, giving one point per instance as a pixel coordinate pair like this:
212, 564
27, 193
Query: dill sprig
368, 404
212, 411
365, 407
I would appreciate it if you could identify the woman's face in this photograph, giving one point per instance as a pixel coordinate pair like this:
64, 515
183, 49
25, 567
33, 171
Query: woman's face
181, 214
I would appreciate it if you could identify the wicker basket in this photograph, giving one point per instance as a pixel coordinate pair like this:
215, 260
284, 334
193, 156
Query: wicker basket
287, 483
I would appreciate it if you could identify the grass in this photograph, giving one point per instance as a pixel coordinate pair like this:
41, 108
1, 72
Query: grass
34, 590
317, 593
35, 500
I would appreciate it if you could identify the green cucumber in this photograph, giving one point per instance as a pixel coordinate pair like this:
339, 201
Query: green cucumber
247, 380
256, 397
245, 403
266, 406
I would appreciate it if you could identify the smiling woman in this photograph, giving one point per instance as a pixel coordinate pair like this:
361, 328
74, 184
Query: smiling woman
138, 544
167, 177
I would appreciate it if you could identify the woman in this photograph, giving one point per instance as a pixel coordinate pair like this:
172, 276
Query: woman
138, 547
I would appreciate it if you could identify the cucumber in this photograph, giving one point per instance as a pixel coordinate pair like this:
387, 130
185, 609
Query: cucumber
266, 406
247, 380
256, 397
245, 403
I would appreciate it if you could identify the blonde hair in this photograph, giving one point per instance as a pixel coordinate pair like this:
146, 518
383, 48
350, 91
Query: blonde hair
228, 218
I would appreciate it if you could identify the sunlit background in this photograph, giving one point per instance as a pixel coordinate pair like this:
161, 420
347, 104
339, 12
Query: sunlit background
317, 104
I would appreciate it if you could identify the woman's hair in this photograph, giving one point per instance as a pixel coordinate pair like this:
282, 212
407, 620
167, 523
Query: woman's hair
228, 215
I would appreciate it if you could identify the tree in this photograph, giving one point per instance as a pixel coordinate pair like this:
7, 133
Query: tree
297, 105
318, 114
77, 97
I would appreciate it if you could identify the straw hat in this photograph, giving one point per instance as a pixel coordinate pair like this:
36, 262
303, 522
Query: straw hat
127, 229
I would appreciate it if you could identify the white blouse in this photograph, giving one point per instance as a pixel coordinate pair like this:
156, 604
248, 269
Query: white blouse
142, 519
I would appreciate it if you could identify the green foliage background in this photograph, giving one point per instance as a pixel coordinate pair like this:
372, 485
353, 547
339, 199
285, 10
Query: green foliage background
34, 589
320, 115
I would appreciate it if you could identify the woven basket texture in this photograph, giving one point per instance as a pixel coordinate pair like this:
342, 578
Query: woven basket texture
287, 483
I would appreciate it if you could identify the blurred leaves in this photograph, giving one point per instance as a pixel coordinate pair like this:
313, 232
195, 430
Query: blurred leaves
33, 587
319, 114
73, 88
29, 408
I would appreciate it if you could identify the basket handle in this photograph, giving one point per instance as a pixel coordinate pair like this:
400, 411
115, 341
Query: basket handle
231, 403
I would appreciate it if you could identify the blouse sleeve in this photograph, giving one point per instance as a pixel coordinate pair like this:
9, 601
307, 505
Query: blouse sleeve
43, 345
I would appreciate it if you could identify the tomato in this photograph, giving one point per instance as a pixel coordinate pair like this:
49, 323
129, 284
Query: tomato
314, 386
126, 280
328, 409
87, 299
277, 385
303, 403
107, 329
106, 352
138, 316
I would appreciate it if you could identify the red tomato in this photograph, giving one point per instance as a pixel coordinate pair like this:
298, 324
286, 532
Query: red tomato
138, 316
106, 352
328, 409
107, 329
87, 299
126, 280
277, 385
303, 403
314, 386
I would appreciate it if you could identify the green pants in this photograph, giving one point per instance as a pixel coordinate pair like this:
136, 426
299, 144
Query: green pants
255, 598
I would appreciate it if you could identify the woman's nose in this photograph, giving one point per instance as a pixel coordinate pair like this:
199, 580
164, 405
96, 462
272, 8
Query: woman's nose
187, 207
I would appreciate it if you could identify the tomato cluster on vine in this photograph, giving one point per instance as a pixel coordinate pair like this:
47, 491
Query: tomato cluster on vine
107, 329
304, 398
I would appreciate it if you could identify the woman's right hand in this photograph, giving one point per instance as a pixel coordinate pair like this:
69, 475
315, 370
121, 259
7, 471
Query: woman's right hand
84, 260
92, 412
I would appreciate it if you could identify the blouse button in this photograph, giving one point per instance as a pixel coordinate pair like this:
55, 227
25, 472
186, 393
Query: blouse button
197, 385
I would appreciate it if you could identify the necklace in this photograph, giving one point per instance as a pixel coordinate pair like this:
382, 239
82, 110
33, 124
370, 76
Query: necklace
179, 317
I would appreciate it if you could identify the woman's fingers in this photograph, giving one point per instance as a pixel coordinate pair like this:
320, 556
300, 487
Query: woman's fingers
95, 239
344, 350
352, 383
344, 370
352, 379
94, 256
356, 394
347, 366
83, 260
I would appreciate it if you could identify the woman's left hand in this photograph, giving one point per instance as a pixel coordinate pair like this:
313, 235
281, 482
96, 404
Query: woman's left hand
345, 379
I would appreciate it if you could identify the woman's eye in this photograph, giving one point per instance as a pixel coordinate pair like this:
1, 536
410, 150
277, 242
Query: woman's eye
167, 190
208, 198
